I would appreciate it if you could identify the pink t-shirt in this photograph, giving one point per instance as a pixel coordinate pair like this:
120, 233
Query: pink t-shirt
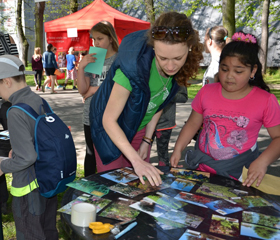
231, 127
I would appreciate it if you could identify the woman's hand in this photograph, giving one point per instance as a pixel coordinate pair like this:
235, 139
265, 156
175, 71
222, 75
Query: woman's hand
143, 150
145, 169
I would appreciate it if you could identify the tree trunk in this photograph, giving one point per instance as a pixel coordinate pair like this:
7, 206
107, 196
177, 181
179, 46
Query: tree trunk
150, 10
228, 10
39, 17
264, 41
22, 39
73, 6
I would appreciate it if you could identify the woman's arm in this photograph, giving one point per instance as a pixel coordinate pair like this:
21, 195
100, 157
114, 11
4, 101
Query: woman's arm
188, 131
83, 81
150, 129
259, 166
114, 108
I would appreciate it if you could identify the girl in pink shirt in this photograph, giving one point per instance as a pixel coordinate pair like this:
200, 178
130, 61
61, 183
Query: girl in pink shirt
232, 112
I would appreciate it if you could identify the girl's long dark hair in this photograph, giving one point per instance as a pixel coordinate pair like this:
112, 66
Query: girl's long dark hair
247, 54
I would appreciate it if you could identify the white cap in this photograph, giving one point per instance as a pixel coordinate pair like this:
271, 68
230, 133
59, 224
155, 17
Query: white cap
10, 66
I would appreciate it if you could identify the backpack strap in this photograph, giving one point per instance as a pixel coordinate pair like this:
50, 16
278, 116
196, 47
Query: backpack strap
26, 108
46, 106
30, 111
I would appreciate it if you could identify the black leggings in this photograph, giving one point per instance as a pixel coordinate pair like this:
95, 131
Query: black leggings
90, 162
38, 77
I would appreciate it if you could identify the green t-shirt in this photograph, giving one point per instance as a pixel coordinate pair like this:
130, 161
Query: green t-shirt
158, 94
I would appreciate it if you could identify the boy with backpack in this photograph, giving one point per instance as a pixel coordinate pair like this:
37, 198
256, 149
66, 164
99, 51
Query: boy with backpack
34, 215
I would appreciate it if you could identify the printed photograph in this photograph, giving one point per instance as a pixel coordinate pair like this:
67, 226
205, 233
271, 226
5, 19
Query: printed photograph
126, 190
251, 201
194, 235
193, 199
224, 207
122, 175
166, 224
188, 219
261, 232
90, 187
149, 207
224, 225
120, 210
147, 187
189, 174
99, 203
165, 200
215, 190
183, 185
261, 219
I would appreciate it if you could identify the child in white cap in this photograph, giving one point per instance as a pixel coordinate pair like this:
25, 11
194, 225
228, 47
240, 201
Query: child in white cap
34, 215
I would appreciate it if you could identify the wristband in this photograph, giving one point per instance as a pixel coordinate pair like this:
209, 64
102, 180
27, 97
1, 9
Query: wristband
151, 140
146, 141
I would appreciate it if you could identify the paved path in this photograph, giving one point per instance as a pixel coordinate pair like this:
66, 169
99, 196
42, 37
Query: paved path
68, 105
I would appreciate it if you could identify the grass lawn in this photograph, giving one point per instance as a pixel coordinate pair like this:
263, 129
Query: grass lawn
272, 77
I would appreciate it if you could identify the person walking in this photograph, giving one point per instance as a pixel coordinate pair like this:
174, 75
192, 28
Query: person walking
50, 65
37, 66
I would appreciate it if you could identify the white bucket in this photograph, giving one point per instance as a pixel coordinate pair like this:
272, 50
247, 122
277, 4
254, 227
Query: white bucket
82, 214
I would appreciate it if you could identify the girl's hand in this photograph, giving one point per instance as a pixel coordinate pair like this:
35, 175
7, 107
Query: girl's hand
143, 150
10, 153
146, 169
86, 60
175, 158
256, 171
87, 95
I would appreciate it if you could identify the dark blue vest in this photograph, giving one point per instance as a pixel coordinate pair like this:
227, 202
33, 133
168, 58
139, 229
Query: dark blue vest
134, 59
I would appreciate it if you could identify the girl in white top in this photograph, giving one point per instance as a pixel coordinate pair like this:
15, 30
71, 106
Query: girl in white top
214, 41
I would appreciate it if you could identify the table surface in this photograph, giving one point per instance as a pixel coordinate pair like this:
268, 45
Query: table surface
147, 228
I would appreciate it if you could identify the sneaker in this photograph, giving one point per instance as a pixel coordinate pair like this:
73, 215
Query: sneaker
59, 86
43, 88
48, 88
74, 88
37, 87
53, 92
64, 88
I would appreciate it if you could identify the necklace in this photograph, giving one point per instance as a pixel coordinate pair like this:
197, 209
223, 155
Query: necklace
165, 94
164, 89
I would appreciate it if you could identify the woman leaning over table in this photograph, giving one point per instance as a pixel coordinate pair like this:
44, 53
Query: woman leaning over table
142, 80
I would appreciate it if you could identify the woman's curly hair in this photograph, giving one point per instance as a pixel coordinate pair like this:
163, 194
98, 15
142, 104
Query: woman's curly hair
191, 66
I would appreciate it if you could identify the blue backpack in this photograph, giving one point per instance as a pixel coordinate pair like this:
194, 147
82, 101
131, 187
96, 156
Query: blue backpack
56, 162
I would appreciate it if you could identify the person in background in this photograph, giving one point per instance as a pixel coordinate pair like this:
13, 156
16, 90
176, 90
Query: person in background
55, 80
232, 111
37, 66
50, 65
34, 215
214, 41
103, 36
71, 68
142, 80
166, 123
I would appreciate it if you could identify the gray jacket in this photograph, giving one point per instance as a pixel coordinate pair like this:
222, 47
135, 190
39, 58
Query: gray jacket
21, 129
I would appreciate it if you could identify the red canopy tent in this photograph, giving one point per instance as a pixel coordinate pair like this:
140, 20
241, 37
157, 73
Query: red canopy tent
83, 20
